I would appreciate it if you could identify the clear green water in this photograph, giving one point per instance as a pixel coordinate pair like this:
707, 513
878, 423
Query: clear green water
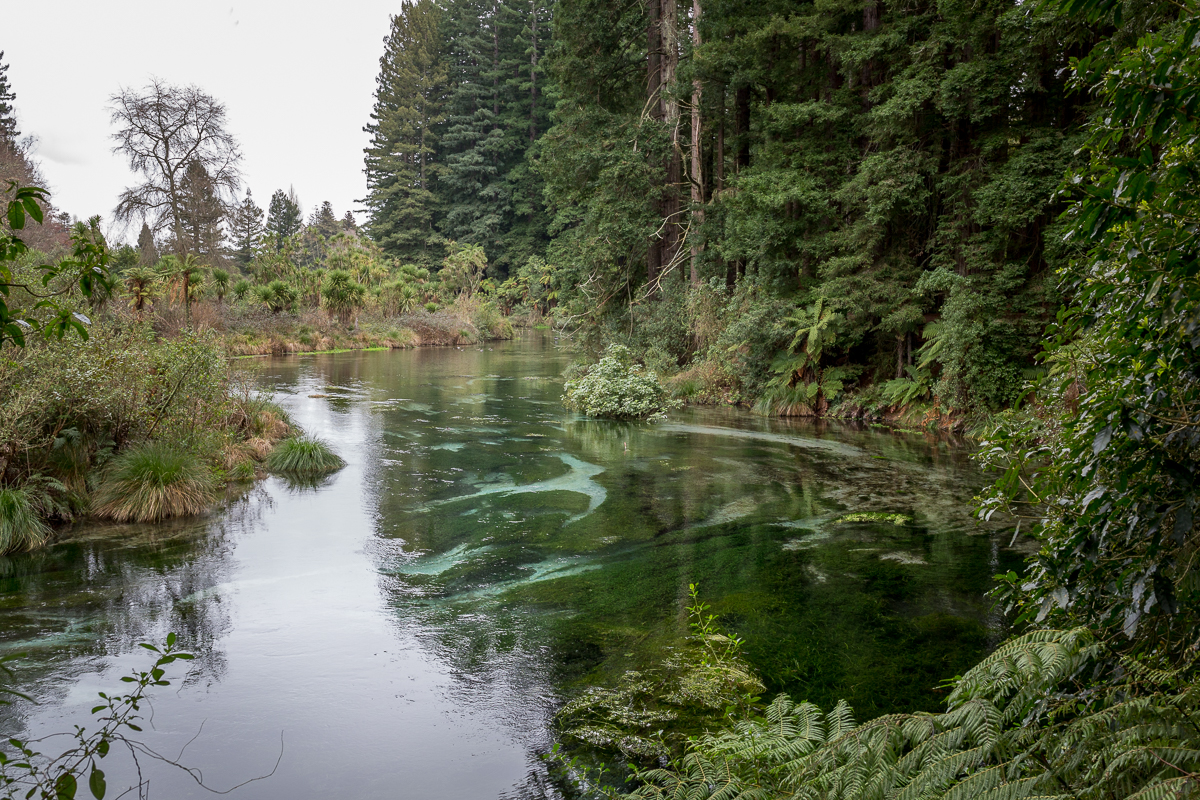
407, 628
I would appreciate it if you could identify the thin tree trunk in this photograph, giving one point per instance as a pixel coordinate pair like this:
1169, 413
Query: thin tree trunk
670, 105
742, 120
654, 104
697, 176
533, 58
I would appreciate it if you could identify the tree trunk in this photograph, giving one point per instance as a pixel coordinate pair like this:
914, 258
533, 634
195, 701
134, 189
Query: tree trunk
697, 176
533, 58
670, 105
654, 104
742, 122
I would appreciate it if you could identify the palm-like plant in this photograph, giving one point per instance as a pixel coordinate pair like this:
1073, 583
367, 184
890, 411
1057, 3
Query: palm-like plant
220, 284
342, 295
816, 329
140, 283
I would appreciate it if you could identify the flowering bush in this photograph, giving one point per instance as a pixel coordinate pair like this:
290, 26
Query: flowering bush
617, 388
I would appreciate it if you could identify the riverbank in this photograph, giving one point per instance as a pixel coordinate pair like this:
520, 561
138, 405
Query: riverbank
131, 425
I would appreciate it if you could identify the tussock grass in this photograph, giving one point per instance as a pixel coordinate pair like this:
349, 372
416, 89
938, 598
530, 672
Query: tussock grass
257, 417
153, 482
303, 456
21, 528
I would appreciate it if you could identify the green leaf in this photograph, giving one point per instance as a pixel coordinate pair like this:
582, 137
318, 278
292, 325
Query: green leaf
96, 783
32, 208
16, 216
65, 786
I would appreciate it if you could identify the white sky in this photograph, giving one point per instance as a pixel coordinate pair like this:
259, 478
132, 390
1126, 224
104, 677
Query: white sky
297, 79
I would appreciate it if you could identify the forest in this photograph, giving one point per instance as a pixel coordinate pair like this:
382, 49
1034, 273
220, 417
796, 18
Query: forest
975, 217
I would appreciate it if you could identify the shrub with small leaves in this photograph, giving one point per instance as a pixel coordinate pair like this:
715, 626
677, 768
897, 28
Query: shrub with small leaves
617, 388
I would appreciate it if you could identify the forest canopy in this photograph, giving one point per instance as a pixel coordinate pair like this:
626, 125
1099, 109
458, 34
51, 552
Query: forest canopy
681, 169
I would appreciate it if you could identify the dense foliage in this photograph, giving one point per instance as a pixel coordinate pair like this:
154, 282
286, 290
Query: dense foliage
892, 165
1097, 697
617, 388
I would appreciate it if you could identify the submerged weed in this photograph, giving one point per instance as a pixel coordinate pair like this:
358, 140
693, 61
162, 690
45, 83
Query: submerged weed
875, 516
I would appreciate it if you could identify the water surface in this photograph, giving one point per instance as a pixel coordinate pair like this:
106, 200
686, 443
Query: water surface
407, 627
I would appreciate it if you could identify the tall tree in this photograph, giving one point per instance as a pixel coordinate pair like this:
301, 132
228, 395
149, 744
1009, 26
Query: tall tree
203, 214
246, 227
147, 250
323, 221
8, 115
401, 165
283, 217
162, 131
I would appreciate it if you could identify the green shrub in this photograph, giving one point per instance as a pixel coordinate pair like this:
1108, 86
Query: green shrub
153, 482
303, 456
616, 388
21, 528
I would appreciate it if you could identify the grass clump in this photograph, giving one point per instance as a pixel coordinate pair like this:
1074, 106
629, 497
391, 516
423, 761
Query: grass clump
153, 482
304, 456
21, 526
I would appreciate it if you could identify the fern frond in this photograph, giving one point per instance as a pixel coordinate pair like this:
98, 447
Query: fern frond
1174, 789
1041, 656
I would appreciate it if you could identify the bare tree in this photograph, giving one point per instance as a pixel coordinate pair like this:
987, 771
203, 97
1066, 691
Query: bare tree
164, 129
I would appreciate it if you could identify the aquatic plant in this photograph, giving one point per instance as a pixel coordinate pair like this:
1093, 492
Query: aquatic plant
21, 526
647, 715
303, 456
153, 482
875, 516
617, 388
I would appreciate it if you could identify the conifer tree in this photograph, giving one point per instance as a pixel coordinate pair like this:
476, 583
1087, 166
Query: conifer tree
323, 221
283, 216
401, 161
8, 116
493, 115
147, 250
201, 214
246, 225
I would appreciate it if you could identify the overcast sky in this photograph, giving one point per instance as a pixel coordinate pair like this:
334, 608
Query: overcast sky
297, 79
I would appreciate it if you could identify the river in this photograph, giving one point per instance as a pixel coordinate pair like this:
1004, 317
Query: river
408, 627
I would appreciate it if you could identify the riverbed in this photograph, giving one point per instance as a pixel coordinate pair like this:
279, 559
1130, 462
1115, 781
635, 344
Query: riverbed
408, 626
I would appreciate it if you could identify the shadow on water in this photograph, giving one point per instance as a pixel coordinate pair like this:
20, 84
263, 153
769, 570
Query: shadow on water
414, 620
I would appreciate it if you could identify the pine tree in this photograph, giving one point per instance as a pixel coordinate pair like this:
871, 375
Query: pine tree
493, 116
201, 214
8, 116
401, 164
473, 142
283, 217
147, 251
246, 226
323, 221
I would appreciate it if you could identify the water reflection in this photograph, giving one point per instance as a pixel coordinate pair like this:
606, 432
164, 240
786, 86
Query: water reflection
409, 624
